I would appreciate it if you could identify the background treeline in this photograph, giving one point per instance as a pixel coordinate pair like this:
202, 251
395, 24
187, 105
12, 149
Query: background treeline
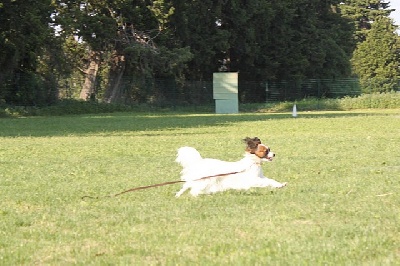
139, 51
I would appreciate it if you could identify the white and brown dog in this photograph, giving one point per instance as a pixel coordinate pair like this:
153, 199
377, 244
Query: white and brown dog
205, 176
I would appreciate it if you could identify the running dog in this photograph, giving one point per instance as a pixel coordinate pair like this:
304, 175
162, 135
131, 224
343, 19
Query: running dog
206, 176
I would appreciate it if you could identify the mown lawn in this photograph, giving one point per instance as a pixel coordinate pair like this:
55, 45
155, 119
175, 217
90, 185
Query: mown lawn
341, 206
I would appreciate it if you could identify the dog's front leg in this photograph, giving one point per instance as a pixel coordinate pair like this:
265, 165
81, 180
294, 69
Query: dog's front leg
273, 183
185, 187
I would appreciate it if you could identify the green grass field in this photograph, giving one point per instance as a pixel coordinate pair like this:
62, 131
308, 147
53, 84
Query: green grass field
341, 206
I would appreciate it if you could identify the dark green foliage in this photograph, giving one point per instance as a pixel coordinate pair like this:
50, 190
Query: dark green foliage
363, 13
24, 36
119, 49
376, 58
264, 40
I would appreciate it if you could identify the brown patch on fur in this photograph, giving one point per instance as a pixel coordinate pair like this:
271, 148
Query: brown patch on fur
261, 151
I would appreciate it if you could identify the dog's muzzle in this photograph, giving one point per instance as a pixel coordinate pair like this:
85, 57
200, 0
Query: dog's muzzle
269, 156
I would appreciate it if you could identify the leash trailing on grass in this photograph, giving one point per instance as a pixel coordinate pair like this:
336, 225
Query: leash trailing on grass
155, 185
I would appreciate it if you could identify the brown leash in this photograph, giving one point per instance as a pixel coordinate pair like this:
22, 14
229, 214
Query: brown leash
145, 187
158, 185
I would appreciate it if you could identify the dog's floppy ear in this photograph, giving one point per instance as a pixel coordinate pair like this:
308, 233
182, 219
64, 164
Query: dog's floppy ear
251, 144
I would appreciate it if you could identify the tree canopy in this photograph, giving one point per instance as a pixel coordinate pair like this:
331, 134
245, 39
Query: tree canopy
376, 57
25, 36
117, 50
376, 60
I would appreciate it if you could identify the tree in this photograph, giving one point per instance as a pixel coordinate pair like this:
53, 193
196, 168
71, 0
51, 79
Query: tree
25, 38
377, 60
376, 57
264, 40
309, 39
128, 39
364, 12
120, 48
196, 24
93, 24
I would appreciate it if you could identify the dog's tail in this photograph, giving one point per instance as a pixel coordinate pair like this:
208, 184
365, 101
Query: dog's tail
187, 156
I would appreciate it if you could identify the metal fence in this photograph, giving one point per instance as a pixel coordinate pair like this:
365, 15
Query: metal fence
167, 92
174, 92
317, 88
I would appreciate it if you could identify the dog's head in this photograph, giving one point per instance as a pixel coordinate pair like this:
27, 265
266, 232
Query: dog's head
254, 146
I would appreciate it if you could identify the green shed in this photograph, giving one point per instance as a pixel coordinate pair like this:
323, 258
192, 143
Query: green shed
225, 92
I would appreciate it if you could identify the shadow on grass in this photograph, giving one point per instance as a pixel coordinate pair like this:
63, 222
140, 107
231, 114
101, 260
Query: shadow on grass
143, 124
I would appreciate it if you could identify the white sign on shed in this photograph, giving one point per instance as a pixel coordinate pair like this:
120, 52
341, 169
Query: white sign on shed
225, 91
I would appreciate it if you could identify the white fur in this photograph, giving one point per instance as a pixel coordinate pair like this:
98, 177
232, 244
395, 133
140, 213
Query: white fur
205, 176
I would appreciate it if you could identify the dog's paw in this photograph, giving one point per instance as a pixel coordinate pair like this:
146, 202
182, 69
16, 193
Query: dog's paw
282, 185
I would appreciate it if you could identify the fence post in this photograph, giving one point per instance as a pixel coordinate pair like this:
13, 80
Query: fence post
318, 93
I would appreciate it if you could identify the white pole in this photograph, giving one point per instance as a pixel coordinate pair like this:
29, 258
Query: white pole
294, 113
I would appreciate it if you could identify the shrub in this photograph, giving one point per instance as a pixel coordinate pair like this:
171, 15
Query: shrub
384, 100
388, 100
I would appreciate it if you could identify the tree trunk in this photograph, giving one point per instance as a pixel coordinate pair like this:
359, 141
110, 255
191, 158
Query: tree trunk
88, 89
114, 91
